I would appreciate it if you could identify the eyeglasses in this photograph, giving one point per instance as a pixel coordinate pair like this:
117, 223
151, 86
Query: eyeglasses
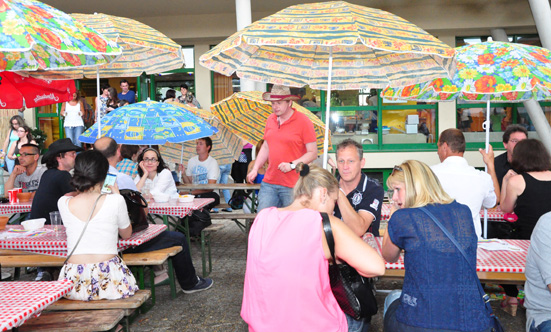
24, 154
397, 168
514, 141
150, 161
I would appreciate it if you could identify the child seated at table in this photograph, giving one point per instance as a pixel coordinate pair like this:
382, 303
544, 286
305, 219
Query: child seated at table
93, 223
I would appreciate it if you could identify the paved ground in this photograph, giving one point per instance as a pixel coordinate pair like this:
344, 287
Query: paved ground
218, 308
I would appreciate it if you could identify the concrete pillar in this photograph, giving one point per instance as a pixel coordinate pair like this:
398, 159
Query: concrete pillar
243, 17
533, 107
203, 91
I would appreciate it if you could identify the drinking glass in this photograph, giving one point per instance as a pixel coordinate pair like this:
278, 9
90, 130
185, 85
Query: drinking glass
55, 219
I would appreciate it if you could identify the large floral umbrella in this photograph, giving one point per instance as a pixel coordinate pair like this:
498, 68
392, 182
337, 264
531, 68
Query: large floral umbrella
226, 146
245, 114
36, 36
17, 91
150, 123
144, 49
332, 45
490, 71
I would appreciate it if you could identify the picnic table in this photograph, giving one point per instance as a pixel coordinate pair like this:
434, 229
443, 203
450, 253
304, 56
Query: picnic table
498, 266
46, 242
21, 300
493, 213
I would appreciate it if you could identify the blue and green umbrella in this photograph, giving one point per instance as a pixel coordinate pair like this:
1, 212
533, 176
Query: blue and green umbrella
150, 123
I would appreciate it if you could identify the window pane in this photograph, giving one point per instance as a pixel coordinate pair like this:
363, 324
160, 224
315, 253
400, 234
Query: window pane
173, 81
409, 126
189, 57
470, 121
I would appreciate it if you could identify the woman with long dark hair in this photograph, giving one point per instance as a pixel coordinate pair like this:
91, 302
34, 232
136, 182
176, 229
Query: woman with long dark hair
25, 137
15, 122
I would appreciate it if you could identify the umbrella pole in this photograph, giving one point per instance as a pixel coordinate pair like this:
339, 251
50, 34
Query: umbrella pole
97, 108
487, 123
327, 109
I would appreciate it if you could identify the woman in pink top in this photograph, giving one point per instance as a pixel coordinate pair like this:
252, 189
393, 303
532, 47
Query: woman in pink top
287, 282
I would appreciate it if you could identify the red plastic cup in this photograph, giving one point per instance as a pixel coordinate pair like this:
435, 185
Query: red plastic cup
19, 190
12, 195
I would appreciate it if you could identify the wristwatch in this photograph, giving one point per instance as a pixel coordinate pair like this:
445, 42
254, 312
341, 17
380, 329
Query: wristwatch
293, 166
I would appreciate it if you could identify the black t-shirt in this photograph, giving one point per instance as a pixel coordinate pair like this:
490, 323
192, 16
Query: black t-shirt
502, 166
367, 196
53, 184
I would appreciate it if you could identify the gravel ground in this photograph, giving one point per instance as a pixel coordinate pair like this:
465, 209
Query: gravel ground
218, 309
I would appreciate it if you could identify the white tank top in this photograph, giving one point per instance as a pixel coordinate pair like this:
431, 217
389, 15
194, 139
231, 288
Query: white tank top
72, 117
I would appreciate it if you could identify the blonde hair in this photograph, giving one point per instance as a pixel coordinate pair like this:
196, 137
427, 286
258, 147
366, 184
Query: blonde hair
311, 178
421, 184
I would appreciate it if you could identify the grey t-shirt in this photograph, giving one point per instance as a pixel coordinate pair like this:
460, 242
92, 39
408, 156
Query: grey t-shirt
538, 273
29, 183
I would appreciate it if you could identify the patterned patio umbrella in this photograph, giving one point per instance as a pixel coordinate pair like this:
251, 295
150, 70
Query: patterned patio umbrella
490, 71
17, 90
226, 146
332, 45
245, 114
150, 123
144, 49
36, 36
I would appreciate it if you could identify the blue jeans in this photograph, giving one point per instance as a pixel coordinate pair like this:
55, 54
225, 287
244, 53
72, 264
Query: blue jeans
183, 266
73, 133
361, 325
274, 195
225, 171
543, 327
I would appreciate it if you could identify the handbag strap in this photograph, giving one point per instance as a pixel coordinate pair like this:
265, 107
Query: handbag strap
82, 233
485, 296
328, 235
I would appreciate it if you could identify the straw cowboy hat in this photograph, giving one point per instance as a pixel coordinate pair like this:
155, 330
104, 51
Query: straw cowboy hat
279, 92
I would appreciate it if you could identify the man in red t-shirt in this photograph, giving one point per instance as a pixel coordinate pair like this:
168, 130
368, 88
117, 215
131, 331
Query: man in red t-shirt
289, 139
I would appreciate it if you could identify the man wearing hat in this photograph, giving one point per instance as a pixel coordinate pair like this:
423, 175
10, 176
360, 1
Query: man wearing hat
55, 182
60, 159
289, 139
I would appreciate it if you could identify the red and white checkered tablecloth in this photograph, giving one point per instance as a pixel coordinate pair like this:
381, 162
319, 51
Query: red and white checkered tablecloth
493, 213
486, 260
7, 208
21, 300
175, 208
56, 245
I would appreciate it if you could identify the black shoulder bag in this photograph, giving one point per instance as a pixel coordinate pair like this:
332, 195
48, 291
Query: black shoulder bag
354, 293
495, 325
136, 205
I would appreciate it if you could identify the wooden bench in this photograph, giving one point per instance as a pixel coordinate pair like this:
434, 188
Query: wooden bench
137, 260
128, 305
69, 321
248, 217
157, 257
205, 245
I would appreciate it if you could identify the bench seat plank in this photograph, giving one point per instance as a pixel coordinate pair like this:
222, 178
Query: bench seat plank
70, 321
132, 302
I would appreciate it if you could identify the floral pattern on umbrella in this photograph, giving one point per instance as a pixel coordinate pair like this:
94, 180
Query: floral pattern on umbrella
150, 122
36, 36
495, 71
144, 49
245, 114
